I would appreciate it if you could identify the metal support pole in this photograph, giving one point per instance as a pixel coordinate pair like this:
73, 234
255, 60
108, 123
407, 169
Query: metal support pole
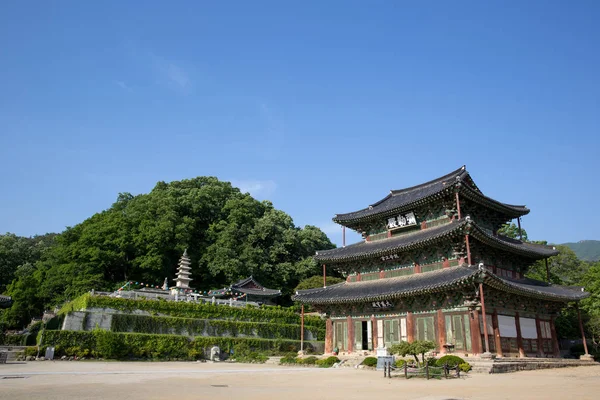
427, 370
343, 236
581, 328
485, 327
405, 370
385, 369
302, 329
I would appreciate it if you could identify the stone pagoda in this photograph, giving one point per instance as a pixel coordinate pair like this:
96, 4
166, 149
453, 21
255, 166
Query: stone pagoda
182, 282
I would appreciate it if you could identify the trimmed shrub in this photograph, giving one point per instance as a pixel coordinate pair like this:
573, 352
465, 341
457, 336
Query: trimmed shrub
328, 362
370, 361
312, 360
400, 363
449, 359
114, 345
464, 367
289, 359
431, 361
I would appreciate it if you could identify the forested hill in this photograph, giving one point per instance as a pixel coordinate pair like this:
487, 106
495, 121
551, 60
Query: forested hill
588, 250
229, 235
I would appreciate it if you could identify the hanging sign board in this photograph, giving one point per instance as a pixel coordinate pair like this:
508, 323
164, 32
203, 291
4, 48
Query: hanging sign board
402, 221
382, 305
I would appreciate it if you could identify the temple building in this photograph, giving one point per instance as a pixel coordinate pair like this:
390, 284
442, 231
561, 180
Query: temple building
432, 266
248, 289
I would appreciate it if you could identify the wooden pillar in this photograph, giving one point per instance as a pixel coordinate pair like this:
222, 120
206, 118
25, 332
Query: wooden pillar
441, 328
468, 250
358, 277
485, 328
351, 340
328, 336
381, 274
497, 339
410, 327
519, 336
475, 332
555, 347
540, 339
520, 231
581, 329
458, 205
446, 263
374, 332
417, 269
324, 276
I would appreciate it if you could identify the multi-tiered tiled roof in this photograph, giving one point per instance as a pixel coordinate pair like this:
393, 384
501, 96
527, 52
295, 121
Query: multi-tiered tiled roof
405, 199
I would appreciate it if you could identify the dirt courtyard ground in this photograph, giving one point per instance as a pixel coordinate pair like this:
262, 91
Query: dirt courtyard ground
182, 381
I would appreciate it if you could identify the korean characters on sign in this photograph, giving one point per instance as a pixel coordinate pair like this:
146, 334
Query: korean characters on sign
402, 220
382, 304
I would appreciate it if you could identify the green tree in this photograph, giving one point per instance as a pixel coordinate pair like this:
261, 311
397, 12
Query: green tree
416, 348
317, 282
512, 231
229, 235
565, 268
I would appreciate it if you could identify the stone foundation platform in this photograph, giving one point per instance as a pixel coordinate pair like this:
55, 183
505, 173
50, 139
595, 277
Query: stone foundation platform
509, 364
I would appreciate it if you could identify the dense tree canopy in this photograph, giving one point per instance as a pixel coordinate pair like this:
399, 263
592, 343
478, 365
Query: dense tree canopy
229, 235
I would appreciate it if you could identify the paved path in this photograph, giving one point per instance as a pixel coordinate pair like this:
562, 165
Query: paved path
182, 381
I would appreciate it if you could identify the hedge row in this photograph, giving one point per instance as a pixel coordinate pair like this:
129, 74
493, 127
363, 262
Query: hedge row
205, 327
191, 310
123, 346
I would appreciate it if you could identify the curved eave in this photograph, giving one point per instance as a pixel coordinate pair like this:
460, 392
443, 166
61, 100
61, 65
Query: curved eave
257, 292
366, 250
533, 251
513, 211
407, 286
446, 183
536, 289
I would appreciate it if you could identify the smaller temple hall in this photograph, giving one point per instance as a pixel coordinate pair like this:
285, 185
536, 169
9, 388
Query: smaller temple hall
432, 266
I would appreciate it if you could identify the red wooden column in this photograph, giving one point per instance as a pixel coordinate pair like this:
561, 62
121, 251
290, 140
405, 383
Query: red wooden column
540, 340
468, 249
519, 336
441, 328
446, 263
410, 327
328, 336
350, 348
324, 276
374, 332
417, 268
485, 329
475, 332
555, 348
497, 340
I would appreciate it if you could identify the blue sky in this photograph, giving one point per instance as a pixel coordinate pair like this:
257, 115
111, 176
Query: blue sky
321, 107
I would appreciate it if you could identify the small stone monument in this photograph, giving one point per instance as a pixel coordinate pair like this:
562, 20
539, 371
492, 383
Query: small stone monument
215, 353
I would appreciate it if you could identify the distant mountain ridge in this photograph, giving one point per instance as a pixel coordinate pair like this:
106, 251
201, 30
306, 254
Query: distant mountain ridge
588, 250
